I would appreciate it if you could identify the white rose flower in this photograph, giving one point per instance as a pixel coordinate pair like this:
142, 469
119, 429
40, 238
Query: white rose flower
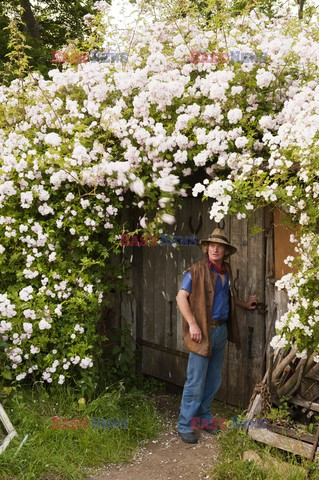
44, 325
52, 139
234, 115
27, 327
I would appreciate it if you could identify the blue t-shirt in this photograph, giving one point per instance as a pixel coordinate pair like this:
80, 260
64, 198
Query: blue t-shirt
220, 308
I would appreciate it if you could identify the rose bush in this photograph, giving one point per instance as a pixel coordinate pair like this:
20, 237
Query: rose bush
78, 147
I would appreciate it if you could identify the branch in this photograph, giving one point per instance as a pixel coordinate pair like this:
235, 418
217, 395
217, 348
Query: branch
301, 4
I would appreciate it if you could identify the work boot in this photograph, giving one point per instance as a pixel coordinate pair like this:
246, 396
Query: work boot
190, 437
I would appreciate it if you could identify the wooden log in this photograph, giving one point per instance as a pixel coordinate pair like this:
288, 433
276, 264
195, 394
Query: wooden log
293, 382
283, 364
278, 355
270, 370
310, 361
282, 442
304, 403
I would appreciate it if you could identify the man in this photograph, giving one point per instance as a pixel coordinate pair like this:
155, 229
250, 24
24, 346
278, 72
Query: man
207, 303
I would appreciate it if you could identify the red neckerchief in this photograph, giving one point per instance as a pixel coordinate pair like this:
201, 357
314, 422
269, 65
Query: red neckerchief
221, 270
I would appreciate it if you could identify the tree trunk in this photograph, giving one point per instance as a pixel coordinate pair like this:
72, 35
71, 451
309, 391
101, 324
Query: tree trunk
28, 18
301, 4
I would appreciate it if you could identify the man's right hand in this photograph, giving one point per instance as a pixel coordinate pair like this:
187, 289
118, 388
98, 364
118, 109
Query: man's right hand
196, 333
183, 304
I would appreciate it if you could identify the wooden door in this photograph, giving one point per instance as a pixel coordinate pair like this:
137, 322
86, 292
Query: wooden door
159, 271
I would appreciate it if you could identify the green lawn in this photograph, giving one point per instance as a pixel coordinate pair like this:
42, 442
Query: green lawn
65, 453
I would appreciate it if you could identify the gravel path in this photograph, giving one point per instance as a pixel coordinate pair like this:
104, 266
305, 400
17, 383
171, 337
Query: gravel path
167, 458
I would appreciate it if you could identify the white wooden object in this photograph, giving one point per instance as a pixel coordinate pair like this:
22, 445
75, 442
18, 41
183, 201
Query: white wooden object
9, 428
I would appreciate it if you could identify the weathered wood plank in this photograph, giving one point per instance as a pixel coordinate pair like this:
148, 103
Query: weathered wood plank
292, 433
313, 376
255, 408
282, 442
313, 373
223, 392
304, 403
271, 314
309, 388
282, 245
8, 427
7, 440
314, 446
238, 360
137, 290
183, 261
170, 298
199, 211
175, 367
255, 320
6, 420
149, 281
159, 286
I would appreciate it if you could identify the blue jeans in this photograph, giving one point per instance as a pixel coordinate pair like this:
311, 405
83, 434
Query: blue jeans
204, 377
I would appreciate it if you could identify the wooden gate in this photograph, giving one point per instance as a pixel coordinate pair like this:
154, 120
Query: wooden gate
157, 274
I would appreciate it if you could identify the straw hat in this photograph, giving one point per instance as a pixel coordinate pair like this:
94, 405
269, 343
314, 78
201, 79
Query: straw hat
219, 236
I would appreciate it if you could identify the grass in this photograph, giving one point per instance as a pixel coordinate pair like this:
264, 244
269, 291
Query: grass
269, 463
71, 454
74, 454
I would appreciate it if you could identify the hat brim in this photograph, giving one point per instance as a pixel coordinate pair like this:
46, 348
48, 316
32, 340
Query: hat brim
231, 249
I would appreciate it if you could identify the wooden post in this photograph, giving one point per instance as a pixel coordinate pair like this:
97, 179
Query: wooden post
314, 447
